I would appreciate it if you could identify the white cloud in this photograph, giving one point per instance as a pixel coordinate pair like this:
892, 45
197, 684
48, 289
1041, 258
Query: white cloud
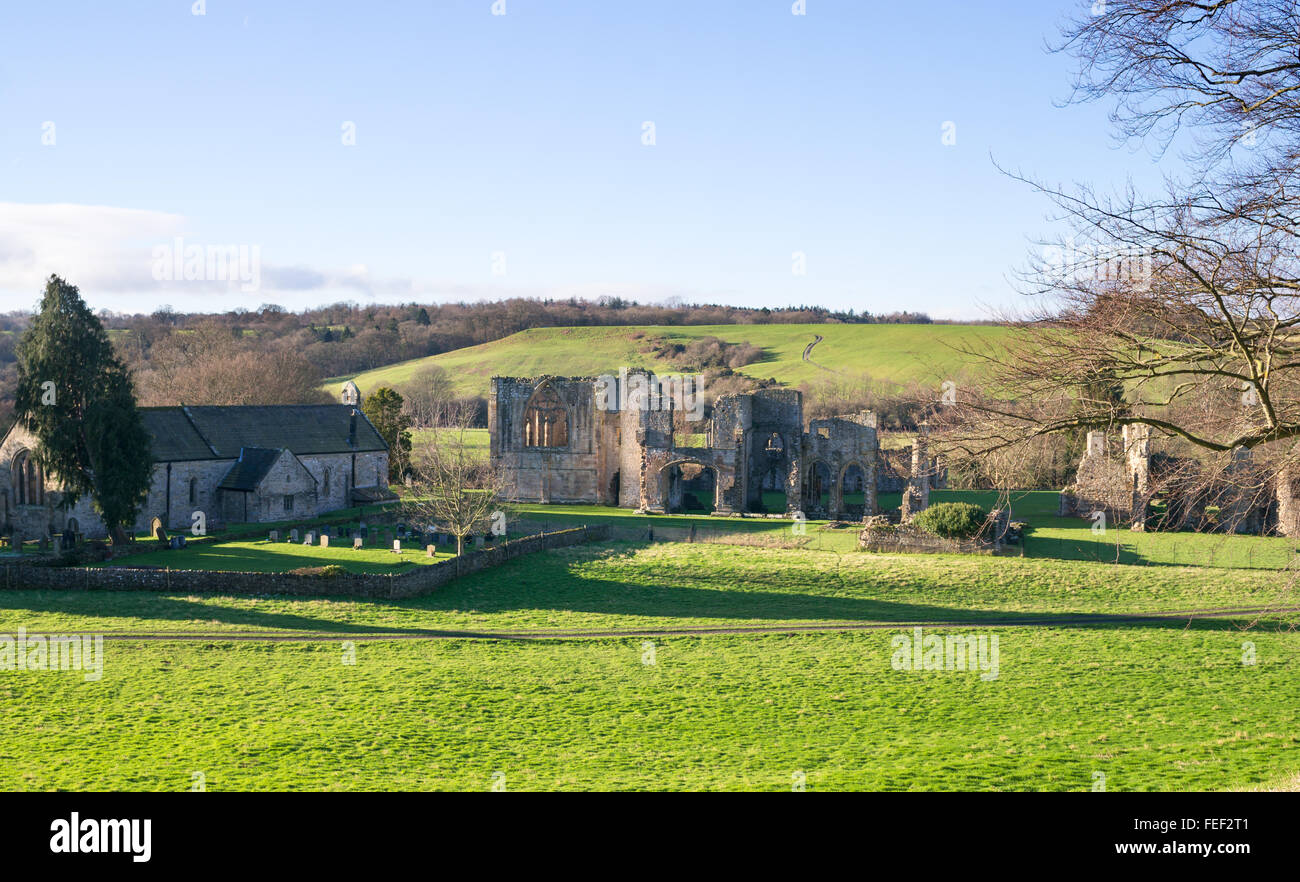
110, 253
100, 247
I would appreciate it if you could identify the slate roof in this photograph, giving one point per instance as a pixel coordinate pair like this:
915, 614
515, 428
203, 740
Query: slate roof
250, 469
182, 434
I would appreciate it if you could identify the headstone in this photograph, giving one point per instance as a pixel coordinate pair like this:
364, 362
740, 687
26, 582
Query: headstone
397, 546
45, 543
293, 535
16, 541
356, 543
310, 540
175, 542
478, 540
401, 530
157, 530
324, 540
275, 536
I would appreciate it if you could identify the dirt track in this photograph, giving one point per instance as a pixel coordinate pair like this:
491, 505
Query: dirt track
1065, 620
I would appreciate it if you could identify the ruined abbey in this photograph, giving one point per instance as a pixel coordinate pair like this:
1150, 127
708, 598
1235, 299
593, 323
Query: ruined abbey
628, 441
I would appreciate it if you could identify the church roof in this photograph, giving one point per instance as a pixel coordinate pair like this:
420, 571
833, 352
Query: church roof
183, 434
249, 470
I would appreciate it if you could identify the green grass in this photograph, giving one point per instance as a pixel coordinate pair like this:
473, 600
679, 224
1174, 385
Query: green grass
898, 354
1151, 709
1161, 705
262, 556
677, 585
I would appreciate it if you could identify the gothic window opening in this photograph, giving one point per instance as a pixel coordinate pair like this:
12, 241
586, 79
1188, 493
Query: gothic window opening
28, 480
546, 420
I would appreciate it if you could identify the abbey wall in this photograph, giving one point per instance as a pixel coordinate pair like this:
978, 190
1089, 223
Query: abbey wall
636, 442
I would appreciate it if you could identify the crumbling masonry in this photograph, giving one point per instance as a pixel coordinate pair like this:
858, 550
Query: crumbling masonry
573, 439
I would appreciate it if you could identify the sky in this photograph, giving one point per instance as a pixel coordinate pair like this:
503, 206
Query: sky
711, 151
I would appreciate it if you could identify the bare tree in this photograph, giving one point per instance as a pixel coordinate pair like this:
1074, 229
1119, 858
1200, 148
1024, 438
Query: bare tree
1179, 310
428, 394
454, 487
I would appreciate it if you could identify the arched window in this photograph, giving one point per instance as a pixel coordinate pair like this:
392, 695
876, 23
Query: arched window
774, 443
325, 484
194, 491
29, 483
546, 420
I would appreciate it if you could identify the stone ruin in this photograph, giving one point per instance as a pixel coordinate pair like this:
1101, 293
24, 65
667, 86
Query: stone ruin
632, 441
1123, 482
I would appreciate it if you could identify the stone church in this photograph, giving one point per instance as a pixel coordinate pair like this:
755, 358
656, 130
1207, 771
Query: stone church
235, 464
569, 439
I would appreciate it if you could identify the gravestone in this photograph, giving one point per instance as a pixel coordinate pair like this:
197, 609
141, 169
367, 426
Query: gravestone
429, 551
401, 530
397, 546
324, 540
356, 543
275, 536
478, 540
157, 531
16, 541
310, 540
293, 535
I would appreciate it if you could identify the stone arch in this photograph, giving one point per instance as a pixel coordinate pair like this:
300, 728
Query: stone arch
546, 418
817, 492
28, 479
853, 488
689, 485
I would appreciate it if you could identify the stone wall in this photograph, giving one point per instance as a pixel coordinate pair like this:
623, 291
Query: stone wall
421, 580
621, 453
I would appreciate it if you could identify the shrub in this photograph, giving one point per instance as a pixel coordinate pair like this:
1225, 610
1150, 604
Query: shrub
952, 520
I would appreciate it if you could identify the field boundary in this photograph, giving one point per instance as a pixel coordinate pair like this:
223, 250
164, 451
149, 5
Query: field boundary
421, 580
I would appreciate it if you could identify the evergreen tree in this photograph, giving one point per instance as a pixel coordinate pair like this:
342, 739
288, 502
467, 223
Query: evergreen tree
76, 397
383, 408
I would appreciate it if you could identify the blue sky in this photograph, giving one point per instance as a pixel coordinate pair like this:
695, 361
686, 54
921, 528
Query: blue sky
503, 155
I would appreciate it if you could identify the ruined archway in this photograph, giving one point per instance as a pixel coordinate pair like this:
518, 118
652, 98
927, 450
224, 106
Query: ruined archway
817, 493
688, 487
853, 490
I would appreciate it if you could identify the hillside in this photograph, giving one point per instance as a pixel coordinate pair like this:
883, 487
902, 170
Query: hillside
900, 354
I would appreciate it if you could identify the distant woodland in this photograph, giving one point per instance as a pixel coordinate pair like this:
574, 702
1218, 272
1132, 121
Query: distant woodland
274, 356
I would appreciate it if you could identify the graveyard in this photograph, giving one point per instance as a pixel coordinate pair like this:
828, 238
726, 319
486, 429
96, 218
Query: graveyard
386, 549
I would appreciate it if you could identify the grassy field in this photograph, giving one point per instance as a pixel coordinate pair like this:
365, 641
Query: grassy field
627, 586
1161, 705
262, 556
481, 693
900, 354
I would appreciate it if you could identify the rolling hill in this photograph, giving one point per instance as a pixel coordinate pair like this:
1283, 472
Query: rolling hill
899, 354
